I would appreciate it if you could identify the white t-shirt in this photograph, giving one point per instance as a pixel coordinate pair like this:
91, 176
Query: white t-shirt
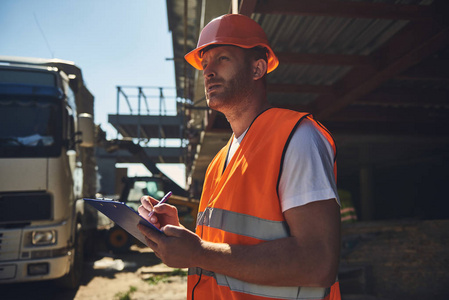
308, 168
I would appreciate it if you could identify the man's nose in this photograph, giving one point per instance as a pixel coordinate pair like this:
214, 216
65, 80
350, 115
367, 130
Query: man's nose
208, 71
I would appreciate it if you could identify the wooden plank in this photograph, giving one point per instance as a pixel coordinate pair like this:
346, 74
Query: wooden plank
247, 7
324, 59
407, 258
428, 70
399, 127
368, 113
407, 96
300, 88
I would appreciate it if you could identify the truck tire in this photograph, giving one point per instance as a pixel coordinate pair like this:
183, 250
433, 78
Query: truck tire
118, 240
72, 279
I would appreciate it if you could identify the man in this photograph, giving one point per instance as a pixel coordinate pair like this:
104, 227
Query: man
268, 225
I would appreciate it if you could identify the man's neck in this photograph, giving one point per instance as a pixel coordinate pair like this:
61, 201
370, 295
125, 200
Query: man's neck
242, 120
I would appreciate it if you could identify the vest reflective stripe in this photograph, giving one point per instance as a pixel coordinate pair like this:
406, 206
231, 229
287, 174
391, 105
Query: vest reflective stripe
263, 290
242, 224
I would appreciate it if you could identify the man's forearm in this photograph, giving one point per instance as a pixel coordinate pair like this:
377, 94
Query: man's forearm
279, 263
309, 257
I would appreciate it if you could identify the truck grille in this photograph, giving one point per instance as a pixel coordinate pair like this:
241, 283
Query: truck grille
9, 244
25, 207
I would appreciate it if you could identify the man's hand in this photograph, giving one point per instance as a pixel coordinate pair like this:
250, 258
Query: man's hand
164, 214
178, 248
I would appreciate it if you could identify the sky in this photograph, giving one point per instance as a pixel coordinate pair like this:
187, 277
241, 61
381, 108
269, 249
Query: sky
114, 42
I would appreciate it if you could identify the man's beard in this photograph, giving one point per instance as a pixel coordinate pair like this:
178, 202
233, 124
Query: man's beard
232, 93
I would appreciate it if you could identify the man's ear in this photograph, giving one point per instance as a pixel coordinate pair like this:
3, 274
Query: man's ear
259, 69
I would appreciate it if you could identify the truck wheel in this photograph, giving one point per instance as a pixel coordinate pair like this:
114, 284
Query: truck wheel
72, 279
118, 240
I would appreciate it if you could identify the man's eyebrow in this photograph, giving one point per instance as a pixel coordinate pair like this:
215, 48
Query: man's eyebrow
221, 50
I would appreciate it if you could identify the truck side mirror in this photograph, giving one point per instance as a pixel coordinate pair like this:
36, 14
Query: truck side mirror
86, 127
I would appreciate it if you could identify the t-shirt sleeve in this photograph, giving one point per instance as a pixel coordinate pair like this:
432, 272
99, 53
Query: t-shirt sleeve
308, 169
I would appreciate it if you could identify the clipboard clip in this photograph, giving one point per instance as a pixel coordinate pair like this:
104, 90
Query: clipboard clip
108, 199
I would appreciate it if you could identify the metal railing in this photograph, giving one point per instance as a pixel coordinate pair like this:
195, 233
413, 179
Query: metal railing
150, 101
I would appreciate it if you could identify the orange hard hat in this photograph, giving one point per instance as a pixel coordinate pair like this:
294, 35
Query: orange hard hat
232, 29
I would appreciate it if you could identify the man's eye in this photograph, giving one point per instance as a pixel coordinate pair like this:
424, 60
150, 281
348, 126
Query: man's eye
223, 57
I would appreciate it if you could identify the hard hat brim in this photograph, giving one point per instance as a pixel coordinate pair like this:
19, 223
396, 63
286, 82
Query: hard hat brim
194, 58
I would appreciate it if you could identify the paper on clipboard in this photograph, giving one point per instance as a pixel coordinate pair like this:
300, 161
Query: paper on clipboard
122, 215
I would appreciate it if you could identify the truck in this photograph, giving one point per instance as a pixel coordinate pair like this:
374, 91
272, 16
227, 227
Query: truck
47, 165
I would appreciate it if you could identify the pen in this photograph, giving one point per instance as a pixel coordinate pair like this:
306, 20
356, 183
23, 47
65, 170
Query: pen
163, 200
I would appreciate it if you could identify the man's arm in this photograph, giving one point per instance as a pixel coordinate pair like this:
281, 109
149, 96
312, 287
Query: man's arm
309, 257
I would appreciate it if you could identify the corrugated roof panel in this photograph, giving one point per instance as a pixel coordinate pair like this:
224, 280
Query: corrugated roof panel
307, 34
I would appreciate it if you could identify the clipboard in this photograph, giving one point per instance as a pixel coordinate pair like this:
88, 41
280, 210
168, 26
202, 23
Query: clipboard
122, 215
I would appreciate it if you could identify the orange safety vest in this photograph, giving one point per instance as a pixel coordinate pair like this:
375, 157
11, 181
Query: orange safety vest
251, 176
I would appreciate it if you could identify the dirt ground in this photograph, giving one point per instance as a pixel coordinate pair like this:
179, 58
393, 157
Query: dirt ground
138, 274
134, 275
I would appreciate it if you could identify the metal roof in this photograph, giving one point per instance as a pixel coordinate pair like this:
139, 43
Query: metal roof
375, 72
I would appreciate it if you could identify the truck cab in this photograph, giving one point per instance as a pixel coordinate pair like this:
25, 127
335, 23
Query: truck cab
44, 142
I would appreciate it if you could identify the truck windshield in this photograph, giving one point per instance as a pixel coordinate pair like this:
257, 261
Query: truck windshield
30, 126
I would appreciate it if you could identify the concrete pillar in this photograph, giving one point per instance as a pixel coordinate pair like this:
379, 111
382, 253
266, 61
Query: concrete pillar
366, 182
